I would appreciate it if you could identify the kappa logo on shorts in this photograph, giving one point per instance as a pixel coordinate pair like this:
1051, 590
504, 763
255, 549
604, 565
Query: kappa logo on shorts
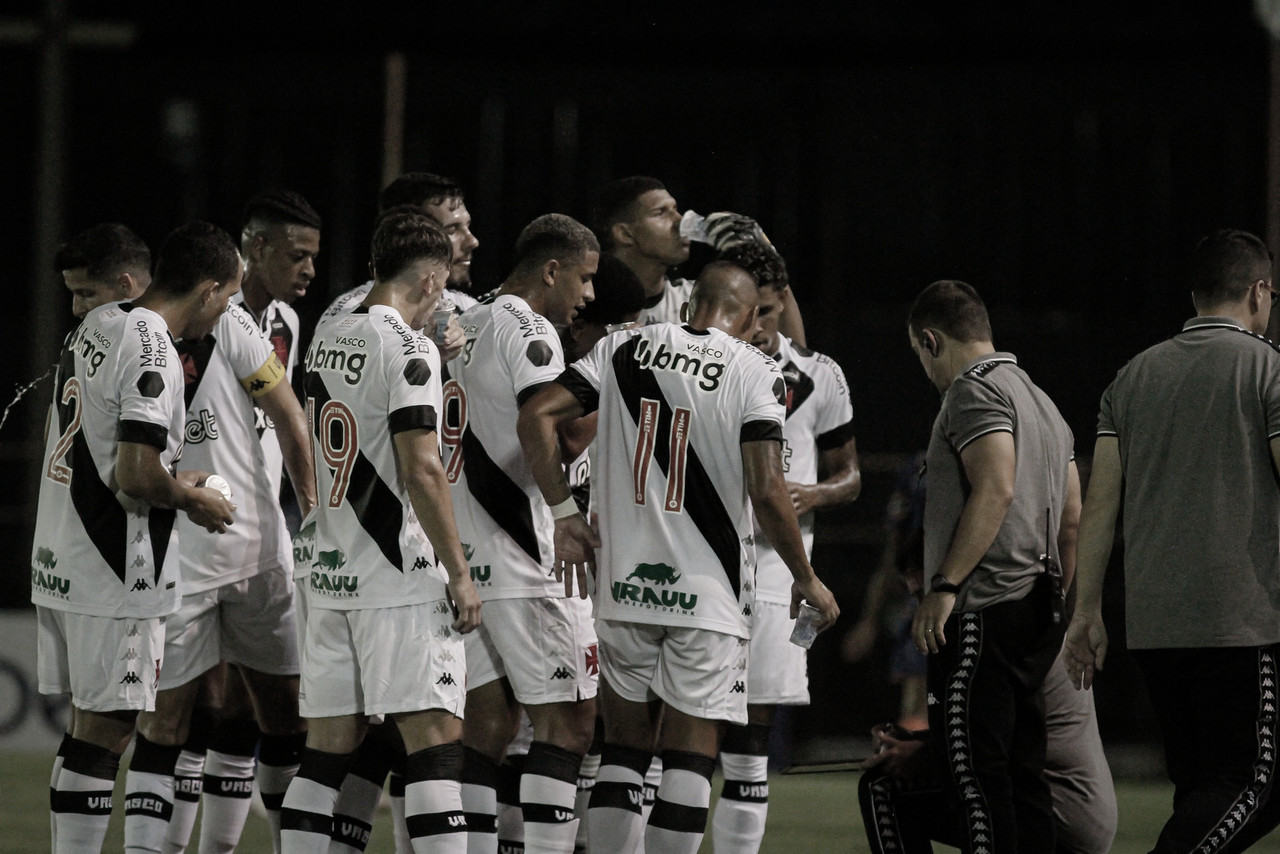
130, 654
132, 633
131, 678
442, 607
738, 688
446, 679
562, 673
141, 583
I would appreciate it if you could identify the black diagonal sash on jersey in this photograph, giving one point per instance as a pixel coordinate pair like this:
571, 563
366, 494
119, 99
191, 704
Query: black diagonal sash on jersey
499, 495
799, 386
104, 520
701, 501
195, 357
376, 505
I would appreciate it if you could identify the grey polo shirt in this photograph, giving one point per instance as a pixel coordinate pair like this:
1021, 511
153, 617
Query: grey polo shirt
1193, 417
993, 394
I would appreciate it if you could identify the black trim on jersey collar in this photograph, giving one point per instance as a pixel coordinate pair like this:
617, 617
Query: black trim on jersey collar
687, 328
360, 309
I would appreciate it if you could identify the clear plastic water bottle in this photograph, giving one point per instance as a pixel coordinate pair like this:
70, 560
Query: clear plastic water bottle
693, 226
444, 310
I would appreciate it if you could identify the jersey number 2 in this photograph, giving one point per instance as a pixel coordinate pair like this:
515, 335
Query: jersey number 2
678, 446
58, 471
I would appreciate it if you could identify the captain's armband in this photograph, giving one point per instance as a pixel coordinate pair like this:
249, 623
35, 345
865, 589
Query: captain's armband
265, 378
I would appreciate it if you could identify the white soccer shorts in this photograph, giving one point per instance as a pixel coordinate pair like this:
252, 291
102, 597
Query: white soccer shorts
777, 670
109, 664
545, 647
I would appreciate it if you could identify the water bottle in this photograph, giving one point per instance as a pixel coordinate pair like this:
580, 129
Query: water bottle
693, 226
444, 311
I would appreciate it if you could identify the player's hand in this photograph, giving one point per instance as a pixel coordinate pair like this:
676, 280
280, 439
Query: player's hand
931, 616
816, 594
576, 543
208, 509
725, 229
1085, 648
192, 477
454, 340
804, 496
466, 604
891, 746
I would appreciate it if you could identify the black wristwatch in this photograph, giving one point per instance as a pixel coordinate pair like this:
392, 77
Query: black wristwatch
939, 584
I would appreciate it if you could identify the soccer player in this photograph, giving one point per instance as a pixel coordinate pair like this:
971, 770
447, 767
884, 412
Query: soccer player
237, 587
820, 465
537, 647
381, 635
104, 263
690, 427
1188, 441
441, 199
105, 559
1000, 514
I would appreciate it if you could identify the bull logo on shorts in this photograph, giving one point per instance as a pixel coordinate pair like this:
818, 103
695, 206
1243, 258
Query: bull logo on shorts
331, 560
45, 558
658, 573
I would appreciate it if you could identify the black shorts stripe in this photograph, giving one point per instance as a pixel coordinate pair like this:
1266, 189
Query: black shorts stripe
81, 803
499, 495
301, 821
619, 796
434, 824
375, 504
679, 818
701, 500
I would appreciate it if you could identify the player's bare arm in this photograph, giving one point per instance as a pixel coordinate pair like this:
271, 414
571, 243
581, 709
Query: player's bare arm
990, 464
418, 461
1086, 640
791, 324
575, 540
841, 480
282, 407
142, 477
1069, 528
762, 469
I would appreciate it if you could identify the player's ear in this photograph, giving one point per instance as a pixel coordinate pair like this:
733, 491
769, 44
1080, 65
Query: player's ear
549, 270
620, 232
930, 342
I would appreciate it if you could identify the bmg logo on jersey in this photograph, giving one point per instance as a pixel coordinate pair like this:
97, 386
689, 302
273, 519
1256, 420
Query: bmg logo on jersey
201, 426
93, 357
335, 357
695, 363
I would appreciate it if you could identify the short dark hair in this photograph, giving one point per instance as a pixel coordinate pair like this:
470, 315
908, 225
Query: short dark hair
954, 308
104, 250
618, 293
556, 236
193, 253
280, 207
405, 237
1224, 265
418, 189
614, 201
763, 262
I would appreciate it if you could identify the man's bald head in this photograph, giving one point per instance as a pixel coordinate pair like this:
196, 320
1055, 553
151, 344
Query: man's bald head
725, 296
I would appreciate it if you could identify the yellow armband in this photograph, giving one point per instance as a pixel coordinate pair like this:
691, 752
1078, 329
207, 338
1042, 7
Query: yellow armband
265, 378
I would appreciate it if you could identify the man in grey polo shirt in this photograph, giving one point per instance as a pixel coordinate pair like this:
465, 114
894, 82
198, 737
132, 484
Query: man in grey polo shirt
1000, 517
1189, 441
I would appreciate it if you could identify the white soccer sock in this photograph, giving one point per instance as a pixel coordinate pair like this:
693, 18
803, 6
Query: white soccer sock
278, 757
187, 784
395, 788
548, 788
53, 788
358, 798
615, 824
433, 800
306, 817
81, 805
480, 801
738, 825
510, 815
227, 785
148, 798
679, 815
652, 779
586, 782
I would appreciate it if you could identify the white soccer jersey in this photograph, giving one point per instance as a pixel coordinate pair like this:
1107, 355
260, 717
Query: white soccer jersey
505, 525
96, 550
348, 300
667, 308
675, 405
279, 323
368, 377
224, 372
819, 417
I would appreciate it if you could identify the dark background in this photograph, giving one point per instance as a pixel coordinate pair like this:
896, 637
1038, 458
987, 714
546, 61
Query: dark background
1063, 158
